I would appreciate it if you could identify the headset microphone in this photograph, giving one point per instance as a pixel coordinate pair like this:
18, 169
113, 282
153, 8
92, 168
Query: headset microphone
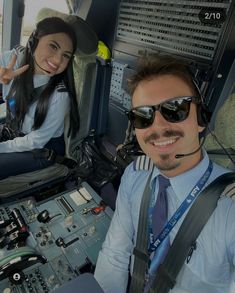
178, 156
48, 72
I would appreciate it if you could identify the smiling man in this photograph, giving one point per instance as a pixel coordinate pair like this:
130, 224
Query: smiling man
162, 140
168, 115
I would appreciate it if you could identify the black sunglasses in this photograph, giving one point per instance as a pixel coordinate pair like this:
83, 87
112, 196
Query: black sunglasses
173, 110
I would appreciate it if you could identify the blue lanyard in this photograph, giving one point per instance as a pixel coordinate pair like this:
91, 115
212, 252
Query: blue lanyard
154, 244
11, 103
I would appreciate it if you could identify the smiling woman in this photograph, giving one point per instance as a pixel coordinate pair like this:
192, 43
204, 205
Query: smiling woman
39, 98
53, 54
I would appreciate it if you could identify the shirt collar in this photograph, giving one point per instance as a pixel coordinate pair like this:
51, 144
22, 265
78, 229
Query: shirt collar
40, 80
181, 184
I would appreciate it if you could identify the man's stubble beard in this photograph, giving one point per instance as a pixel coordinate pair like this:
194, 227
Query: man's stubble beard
165, 163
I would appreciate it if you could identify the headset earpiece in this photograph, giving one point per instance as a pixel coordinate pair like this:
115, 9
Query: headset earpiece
32, 42
203, 114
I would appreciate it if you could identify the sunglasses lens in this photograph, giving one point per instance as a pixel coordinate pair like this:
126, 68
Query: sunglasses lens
142, 117
176, 110
173, 111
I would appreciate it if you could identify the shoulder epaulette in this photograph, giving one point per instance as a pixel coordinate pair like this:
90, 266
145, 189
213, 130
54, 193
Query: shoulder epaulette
61, 87
143, 163
19, 48
230, 191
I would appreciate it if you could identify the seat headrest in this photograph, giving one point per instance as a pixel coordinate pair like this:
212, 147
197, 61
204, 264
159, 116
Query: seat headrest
224, 126
87, 40
224, 123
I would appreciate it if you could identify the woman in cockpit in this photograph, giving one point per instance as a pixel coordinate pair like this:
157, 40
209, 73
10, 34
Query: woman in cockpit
39, 94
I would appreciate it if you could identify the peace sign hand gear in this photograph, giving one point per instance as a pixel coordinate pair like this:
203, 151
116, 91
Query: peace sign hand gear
8, 73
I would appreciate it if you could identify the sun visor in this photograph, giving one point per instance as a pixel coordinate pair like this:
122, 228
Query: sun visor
87, 40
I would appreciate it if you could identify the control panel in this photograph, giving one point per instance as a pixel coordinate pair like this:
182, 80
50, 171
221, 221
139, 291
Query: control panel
44, 245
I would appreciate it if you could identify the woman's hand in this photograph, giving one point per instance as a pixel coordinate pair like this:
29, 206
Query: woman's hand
7, 73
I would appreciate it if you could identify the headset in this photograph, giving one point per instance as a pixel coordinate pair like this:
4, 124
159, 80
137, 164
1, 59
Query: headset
32, 42
203, 113
32, 45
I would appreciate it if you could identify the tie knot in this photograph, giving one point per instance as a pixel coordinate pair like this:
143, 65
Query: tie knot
163, 182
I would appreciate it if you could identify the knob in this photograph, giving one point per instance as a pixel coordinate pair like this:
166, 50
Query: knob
43, 217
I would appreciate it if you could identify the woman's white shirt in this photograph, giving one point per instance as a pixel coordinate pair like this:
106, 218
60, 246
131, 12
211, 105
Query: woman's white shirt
53, 125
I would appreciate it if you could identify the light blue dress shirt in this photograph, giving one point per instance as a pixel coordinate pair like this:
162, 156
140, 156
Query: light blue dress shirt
210, 269
53, 125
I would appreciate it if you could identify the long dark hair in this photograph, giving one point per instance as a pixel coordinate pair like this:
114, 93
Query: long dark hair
22, 87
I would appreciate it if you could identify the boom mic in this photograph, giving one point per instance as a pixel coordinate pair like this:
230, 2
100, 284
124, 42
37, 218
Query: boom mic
178, 156
48, 72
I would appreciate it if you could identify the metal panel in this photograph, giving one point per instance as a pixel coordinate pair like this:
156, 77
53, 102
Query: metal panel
117, 93
119, 102
170, 26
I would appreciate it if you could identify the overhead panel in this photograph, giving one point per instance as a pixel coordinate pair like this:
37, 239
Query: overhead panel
171, 26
